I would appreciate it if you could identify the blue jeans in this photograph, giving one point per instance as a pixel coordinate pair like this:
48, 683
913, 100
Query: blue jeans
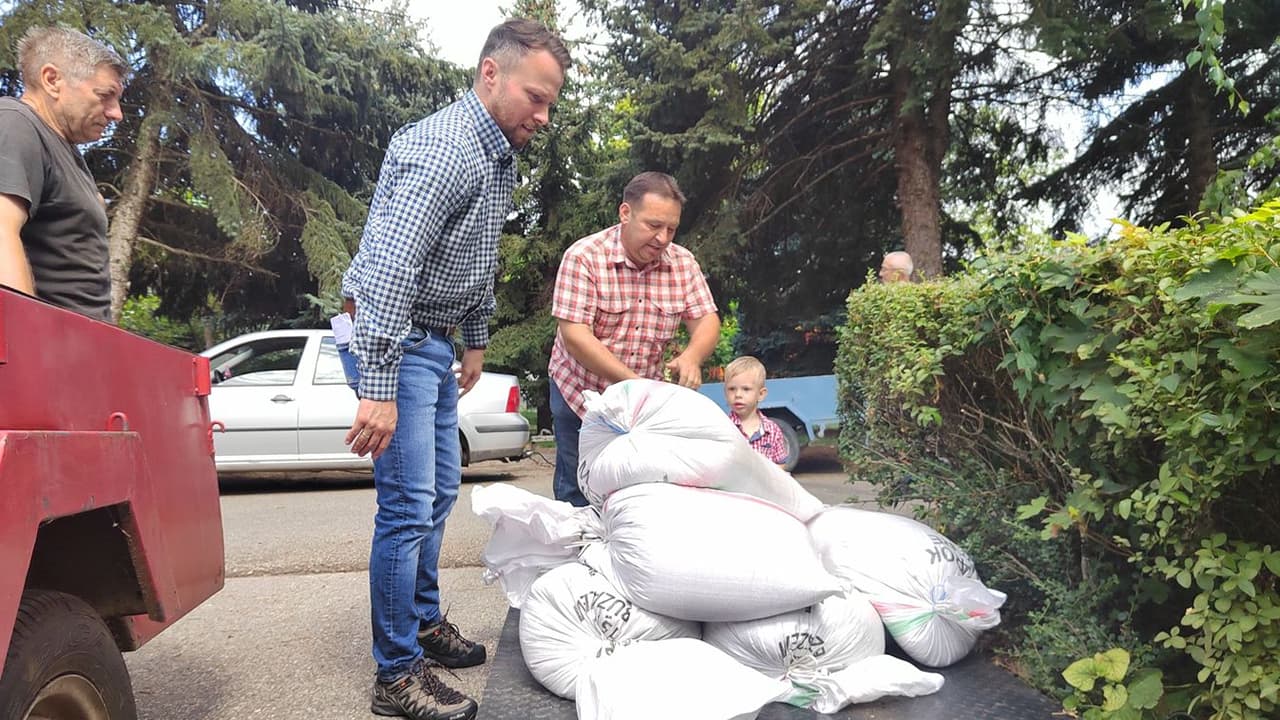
417, 479
565, 424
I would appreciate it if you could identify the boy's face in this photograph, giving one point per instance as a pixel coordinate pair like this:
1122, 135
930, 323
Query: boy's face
744, 392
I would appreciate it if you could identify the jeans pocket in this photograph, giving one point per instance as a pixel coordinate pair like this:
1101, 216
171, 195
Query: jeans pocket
350, 367
415, 339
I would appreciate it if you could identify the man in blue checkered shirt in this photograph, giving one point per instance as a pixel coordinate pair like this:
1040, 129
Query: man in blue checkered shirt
425, 266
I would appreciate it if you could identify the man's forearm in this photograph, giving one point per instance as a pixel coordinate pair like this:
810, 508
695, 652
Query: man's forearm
587, 349
704, 335
15, 271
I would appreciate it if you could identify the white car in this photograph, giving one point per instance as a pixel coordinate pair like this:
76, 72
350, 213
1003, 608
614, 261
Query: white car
284, 404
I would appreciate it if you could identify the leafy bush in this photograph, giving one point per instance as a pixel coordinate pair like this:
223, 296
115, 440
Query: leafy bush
140, 315
1121, 397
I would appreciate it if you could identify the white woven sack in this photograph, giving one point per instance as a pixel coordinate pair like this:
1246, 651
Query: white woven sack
924, 586
805, 646
707, 555
640, 431
872, 678
680, 679
573, 615
531, 534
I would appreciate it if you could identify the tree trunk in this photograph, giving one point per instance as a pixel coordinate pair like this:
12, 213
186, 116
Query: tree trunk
918, 171
1202, 161
139, 182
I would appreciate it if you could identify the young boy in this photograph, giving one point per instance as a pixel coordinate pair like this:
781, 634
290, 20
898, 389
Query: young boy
744, 389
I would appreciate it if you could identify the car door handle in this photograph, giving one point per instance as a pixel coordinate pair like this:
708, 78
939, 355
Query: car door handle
281, 399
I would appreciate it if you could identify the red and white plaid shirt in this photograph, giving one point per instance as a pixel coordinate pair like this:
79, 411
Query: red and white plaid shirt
768, 440
634, 311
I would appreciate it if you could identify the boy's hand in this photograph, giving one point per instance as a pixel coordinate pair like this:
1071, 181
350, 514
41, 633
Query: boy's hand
685, 372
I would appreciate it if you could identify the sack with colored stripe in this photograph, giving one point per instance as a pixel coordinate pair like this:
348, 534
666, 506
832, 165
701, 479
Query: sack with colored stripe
923, 585
809, 648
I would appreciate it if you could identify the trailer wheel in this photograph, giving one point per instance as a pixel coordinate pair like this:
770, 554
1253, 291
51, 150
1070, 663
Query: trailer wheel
793, 445
63, 664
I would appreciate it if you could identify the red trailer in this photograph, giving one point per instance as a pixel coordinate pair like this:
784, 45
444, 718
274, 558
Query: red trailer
110, 527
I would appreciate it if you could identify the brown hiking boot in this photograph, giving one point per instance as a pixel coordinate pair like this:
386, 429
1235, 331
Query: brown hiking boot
443, 643
420, 695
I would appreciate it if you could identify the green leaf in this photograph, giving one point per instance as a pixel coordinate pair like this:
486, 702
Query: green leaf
1249, 364
1081, 674
1114, 697
1112, 664
1265, 314
1033, 508
1220, 279
1193, 58
1272, 561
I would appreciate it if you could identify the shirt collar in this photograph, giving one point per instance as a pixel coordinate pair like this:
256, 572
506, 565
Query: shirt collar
738, 423
495, 144
618, 254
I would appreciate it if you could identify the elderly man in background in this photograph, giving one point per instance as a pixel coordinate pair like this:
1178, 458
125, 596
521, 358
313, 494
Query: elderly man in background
896, 267
53, 221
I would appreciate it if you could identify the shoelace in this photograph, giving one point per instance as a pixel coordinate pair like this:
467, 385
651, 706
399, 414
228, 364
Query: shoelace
452, 636
445, 694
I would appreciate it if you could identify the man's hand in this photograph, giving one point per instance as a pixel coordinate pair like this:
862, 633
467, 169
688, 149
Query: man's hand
375, 424
469, 373
685, 371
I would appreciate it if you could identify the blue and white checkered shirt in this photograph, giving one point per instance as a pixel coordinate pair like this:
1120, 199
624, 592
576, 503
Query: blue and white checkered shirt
429, 251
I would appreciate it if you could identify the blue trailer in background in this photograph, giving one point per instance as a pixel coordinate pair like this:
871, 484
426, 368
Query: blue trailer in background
804, 407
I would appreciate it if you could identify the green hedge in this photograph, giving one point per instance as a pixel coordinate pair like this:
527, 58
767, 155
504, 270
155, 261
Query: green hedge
1098, 426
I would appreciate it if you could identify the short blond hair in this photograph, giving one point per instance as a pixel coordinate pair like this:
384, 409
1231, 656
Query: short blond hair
745, 364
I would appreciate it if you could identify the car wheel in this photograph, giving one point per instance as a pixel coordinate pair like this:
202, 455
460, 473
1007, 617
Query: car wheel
63, 664
793, 446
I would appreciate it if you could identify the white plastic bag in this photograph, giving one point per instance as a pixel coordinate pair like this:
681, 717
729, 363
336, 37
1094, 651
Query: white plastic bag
573, 615
531, 534
924, 586
707, 555
680, 679
640, 431
806, 646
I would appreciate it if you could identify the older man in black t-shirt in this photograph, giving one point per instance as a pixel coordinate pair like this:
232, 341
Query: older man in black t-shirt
53, 221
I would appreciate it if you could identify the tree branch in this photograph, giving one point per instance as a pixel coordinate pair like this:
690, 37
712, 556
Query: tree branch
202, 256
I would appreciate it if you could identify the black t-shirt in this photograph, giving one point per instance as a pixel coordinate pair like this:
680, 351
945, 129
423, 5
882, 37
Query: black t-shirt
65, 236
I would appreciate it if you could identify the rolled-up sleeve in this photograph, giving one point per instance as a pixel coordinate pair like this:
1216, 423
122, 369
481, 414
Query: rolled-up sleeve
700, 302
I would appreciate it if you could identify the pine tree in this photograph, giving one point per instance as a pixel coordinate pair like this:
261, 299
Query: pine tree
1163, 149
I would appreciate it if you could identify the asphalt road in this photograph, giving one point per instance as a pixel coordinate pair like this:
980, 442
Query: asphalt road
288, 637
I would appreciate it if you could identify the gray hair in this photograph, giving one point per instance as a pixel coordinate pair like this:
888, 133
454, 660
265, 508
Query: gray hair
518, 37
901, 261
74, 53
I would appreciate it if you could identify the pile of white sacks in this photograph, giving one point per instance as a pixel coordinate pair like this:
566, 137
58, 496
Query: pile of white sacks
704, 582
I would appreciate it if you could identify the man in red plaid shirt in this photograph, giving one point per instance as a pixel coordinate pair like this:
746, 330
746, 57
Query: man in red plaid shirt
620, 296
